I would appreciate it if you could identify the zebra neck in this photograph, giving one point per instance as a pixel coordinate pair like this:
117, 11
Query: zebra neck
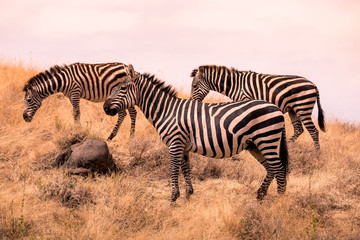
239, 86
155, 103
224, 81
59, 82
44, 89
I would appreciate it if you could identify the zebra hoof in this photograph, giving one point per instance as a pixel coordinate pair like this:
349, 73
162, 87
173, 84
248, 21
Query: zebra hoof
173, 201
261, 194
189, 192
281, 192
175, 195
110, 138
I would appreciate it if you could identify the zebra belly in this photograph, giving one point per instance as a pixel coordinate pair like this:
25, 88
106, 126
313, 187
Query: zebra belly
96, 99
209, 151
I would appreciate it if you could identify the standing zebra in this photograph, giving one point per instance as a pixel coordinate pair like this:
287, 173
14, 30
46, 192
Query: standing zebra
293, 94
93, 82
215, 130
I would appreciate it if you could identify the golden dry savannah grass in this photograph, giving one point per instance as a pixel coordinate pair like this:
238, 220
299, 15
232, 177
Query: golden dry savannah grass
39, 201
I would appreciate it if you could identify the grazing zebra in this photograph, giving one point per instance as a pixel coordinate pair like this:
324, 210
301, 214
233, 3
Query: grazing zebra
293, 94
216, 130
93, 82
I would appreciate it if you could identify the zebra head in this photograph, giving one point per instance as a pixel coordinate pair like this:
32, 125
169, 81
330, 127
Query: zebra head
123, 96
32, 102
200, 86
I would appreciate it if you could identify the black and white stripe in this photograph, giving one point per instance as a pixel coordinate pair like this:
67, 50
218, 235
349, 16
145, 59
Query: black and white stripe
214, 130
293, 94
93, 82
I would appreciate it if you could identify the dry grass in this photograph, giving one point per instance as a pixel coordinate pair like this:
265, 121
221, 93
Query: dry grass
38, 201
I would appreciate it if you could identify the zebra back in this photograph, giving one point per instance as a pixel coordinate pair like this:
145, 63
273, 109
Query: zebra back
281, 90
94, 82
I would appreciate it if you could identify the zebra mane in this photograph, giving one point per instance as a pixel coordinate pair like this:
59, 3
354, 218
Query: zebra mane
194, 72
216, 68
204, 68
235, 70
43, 76
160, 84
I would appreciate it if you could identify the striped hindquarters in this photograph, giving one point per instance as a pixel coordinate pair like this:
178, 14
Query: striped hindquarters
223, 130
287, 92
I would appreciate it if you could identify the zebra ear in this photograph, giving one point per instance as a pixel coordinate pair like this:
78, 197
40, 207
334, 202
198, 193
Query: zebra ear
27, 87
131, 73
131, 69
201, 72
198, 75
125, 83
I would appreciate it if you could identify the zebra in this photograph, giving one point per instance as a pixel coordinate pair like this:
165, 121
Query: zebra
93, 82
216, 130
293, 94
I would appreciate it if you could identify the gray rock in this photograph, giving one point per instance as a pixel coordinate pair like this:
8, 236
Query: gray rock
86, 157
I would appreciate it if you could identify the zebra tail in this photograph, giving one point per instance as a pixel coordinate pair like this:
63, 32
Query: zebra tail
284, 155
321, 117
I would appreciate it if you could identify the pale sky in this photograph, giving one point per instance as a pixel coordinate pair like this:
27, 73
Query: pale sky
319, 40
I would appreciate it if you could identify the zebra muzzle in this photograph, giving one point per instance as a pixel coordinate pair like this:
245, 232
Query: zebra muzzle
108, 110
26, 117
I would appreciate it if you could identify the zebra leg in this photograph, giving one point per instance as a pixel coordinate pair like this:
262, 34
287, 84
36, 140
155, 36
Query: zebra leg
298, 128
75, 102
269, 174
132, 113
121, 116
176, 154
185, 167
310, 126
278, 170
280, 176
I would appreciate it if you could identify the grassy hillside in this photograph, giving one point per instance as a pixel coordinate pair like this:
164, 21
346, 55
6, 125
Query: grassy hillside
38, 201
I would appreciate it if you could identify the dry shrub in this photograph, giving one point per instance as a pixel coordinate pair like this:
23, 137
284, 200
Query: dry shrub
138, 147
327, 208
127, 217
255, 224
44, 161
126, 207
348, 176
68, 192
14, 227
249, 171
323, 202
308, 216
149, 157
303, 159
269, 219
347, 128
211, 170
75, 134
243, 167
72, 138
7, 154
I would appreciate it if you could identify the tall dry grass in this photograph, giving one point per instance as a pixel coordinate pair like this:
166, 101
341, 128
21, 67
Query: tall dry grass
38, 201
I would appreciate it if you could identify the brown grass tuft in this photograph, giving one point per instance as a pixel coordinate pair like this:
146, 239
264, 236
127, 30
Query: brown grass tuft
211, 170
67, 191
